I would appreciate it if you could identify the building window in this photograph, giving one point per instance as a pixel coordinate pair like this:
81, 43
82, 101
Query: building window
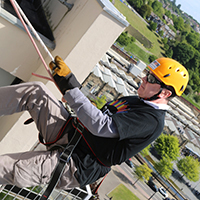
89, 86
36, 15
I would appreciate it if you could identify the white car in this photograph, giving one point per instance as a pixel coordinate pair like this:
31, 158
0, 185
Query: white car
163, 191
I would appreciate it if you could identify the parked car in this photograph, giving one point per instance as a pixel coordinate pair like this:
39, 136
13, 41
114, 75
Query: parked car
163, 191
181, 131
188, 184
129, 163
167, 198
152, 185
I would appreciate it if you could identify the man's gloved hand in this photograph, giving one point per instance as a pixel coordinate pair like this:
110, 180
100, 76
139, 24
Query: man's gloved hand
63, 76
59, 67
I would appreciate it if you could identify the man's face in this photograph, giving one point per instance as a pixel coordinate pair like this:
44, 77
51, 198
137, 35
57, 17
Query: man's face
146, 89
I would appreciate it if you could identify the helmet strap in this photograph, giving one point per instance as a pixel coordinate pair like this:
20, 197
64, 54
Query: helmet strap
155, 96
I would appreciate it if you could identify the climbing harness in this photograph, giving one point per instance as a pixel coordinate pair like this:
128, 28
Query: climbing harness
63, 160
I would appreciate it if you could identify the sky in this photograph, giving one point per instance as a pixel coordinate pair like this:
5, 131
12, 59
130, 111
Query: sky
191, 7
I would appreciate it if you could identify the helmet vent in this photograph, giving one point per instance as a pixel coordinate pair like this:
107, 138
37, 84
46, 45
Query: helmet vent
165, 76
170, 67
182, 88
184, 75
177, 70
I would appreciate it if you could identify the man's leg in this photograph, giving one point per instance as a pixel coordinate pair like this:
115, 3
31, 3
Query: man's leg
28, 168
47, 112
33, 168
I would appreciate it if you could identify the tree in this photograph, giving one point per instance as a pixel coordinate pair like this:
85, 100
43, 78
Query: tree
169, 53
145, 151
190, 168
161, 33
194, 63
165, 40
152, 58
164, 167
136, 3
174, 17
167, 146
142, 172
172, 28
100, 102
197, 98
156, 5
183, 52
145, 11
187, 28
150, 2
188, 90
179, 24
168, 13
123, 39
166, 47
153, 26
193, 39
133, 39
179, 6
196, 83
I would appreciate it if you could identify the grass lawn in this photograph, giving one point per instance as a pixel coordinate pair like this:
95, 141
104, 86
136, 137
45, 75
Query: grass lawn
138, 51
139, 25
122, 192
191, 100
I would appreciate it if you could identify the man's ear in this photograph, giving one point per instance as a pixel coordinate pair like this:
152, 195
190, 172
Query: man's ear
165, 93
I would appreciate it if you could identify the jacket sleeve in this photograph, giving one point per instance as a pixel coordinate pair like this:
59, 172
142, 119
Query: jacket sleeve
93, 119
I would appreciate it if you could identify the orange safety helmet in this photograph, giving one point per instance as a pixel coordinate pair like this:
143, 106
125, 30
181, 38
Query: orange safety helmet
171, 73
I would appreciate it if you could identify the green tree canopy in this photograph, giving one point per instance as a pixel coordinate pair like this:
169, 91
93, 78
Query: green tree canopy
165, 40
167, 146
186, 29
152, 58
143, 172
194, 63
145, 11
136, 3
156, 5
161, 33
169, 53
168, 13
150, 2
179, 6
188, 90
197, 98
193, 39
190, 168
153, 26
179, 23
124, 39
183, 53
100, 102
164, 167
145, 151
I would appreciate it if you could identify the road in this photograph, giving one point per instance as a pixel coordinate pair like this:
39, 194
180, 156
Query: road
142, 186
123, 174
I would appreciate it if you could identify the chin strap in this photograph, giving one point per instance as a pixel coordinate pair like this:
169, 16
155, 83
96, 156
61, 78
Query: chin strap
155, 96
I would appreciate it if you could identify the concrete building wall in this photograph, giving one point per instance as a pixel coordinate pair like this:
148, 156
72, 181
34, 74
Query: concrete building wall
82, 36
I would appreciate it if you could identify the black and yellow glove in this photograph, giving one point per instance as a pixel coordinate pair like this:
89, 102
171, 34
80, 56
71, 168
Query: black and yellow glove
62, 75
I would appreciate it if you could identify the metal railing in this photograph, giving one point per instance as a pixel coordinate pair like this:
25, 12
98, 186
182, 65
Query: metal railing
11, 192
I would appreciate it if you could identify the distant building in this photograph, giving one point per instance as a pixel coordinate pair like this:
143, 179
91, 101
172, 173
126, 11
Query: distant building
197, 28
168, 20
168, 33
106, 79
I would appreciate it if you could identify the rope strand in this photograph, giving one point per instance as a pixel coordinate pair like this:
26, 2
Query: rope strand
18, 11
